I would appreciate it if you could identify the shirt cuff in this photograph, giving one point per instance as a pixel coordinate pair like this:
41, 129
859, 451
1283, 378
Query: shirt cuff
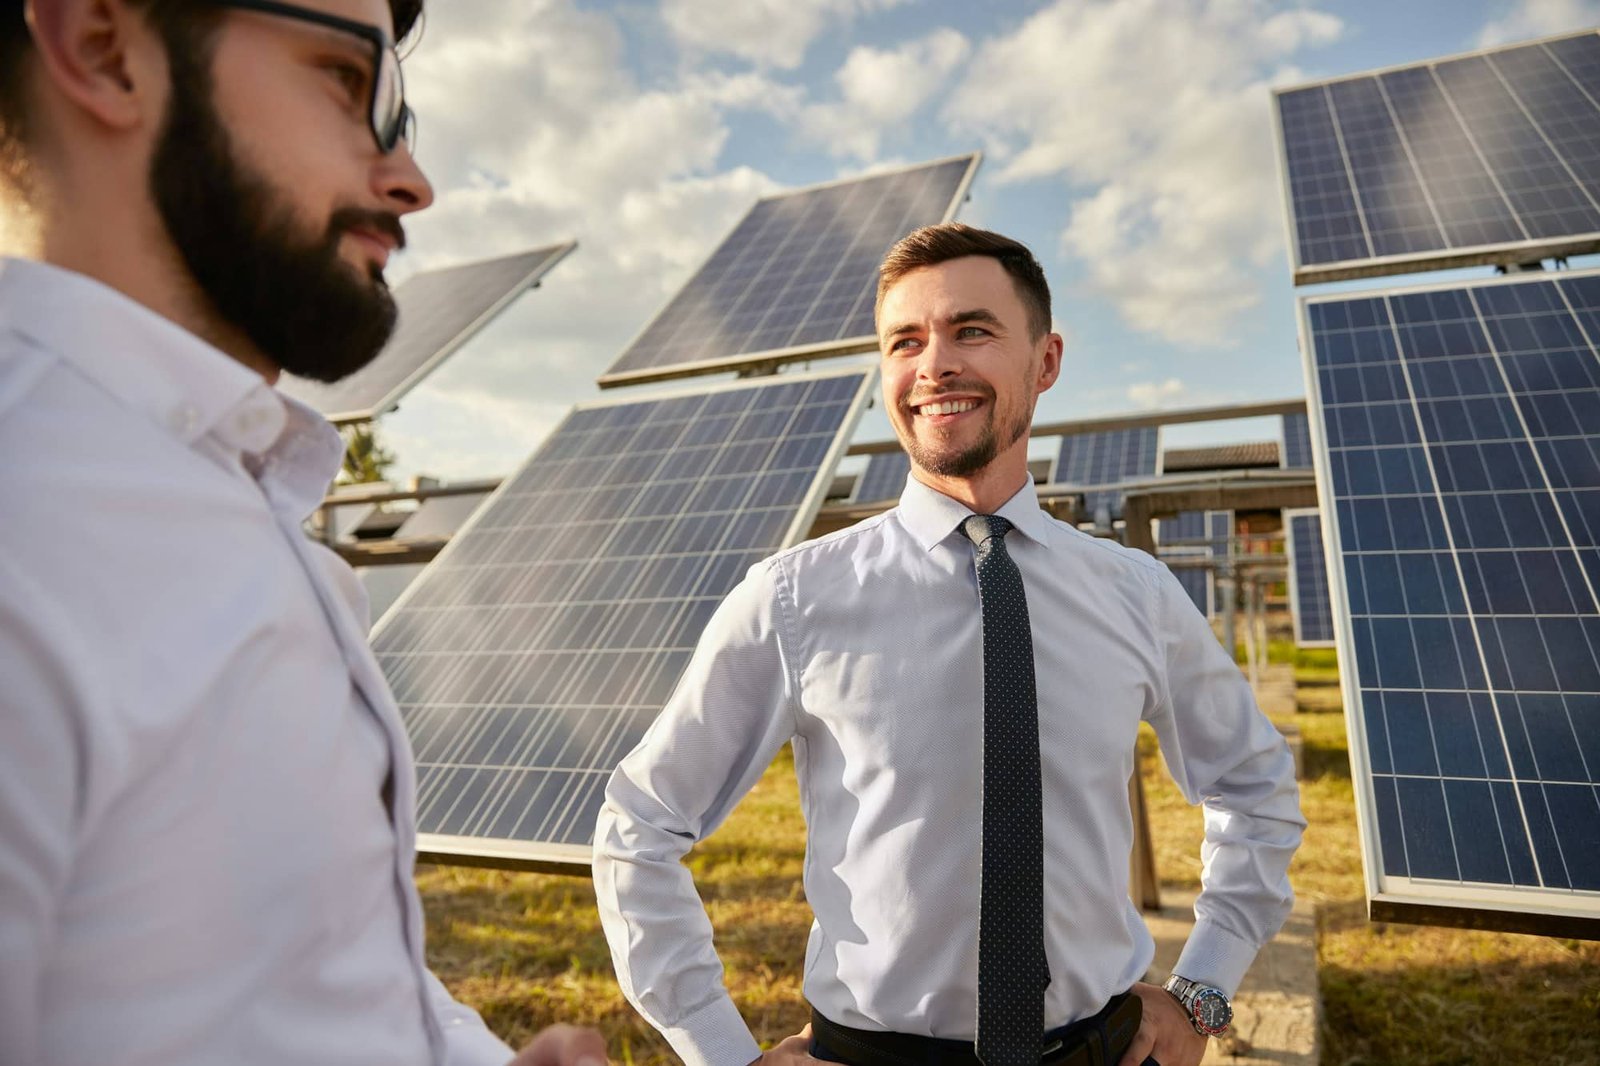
714, 1035
1214, 956
468, 1042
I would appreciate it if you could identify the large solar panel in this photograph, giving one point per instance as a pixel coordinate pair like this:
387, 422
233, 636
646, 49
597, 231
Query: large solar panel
439, 312
1105, 458
537, 648
1296, 452
884, 478
1309, 606
797, 276
1460, 428
1486, 158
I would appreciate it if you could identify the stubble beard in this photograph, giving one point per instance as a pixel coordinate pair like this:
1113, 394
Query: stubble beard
297, 301
970, 460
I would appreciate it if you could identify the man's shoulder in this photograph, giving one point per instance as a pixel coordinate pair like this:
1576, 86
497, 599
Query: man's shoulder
1099, 551
840, 543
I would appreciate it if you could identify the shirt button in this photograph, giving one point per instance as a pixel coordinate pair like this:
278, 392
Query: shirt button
183, 419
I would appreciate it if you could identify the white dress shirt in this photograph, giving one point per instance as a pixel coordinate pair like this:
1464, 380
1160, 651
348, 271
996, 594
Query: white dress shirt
206, 793
865, 647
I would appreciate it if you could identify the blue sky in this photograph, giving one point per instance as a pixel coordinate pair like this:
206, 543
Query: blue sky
1128, 142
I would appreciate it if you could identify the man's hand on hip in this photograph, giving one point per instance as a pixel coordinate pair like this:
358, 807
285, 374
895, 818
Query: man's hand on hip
563, 1045
790, 1051
1164, 1032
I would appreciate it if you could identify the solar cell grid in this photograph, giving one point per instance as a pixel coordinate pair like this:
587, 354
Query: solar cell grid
1296, 453
884, 477
1309, 606
796, 277
1106, 458
1489, 157
541, 643
1461, 428
439, 311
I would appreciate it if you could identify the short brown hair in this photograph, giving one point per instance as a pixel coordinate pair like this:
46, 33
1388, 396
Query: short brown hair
932, 245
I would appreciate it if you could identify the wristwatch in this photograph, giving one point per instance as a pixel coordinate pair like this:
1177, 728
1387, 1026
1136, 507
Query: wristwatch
1208, 1008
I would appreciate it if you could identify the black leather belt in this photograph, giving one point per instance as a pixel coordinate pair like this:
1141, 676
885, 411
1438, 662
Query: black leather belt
1099, 1040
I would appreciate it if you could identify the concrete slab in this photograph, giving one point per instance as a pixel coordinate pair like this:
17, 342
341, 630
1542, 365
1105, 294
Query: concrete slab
1278, 1007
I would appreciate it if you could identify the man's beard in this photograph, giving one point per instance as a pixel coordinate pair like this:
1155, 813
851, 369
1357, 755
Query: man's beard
975, 457
297, 301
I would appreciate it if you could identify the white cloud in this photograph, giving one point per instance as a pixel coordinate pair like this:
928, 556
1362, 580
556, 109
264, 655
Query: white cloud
1155, 116
1154, 394
771, 33
533, 130
880, 89
1539, 18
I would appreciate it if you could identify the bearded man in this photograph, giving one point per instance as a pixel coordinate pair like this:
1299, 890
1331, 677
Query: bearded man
962, 679
206, 794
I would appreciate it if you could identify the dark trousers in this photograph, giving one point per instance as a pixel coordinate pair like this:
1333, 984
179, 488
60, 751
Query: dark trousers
1100, 1040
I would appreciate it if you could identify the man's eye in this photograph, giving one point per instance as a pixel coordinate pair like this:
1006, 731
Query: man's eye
972, 331
352, 79
903, 343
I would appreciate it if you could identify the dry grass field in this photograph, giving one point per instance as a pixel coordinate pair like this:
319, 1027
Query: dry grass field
527, 950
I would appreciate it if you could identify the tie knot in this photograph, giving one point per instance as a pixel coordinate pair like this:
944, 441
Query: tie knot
982, 527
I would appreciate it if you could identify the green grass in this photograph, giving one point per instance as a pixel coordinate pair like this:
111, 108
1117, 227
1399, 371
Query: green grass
527, 950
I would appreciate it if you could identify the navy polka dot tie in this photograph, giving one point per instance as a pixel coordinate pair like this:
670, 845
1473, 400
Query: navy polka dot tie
1012, 971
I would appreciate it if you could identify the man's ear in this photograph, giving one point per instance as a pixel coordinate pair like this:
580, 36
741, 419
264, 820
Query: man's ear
101, 57
1050, 361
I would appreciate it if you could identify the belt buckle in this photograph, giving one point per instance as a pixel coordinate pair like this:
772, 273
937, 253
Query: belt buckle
1050, 1049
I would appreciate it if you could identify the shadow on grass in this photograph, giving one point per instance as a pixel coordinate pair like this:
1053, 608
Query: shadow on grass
1494, 1011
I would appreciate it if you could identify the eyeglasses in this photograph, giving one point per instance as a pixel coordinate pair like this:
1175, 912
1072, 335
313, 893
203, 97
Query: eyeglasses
391, 120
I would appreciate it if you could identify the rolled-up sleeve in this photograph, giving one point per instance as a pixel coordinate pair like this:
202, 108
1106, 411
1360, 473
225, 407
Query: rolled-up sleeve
1226, 756
730, 714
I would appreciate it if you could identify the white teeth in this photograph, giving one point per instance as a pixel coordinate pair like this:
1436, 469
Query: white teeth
949, 407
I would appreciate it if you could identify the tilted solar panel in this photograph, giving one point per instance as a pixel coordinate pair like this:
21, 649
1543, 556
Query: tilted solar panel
1197, 535
1486, 158
1105, 458
1309, 606
797, 276
1459, 433
1296, 453
536, 649
884, 478
439, 312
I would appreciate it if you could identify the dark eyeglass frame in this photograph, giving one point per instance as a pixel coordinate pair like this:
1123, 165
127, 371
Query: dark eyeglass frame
392, 121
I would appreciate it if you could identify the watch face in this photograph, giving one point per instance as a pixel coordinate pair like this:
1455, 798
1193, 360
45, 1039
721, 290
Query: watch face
1211, 1011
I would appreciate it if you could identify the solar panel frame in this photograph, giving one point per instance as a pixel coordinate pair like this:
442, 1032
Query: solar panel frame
614, 377
1308, 572
1438, 253
1541, 910
565, 857
333, 400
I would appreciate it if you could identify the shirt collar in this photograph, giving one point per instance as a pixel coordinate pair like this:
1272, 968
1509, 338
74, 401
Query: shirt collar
152, 365
931, 516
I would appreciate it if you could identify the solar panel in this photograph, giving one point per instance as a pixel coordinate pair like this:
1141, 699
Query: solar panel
1197, 535
1105, 458
439, 312
1458, 433
1309, 606
797, 276
537, 648
1296, 452
1492, 157
884, 478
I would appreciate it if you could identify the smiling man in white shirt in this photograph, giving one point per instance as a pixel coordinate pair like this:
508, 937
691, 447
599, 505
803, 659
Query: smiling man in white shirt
936, 720
206, 793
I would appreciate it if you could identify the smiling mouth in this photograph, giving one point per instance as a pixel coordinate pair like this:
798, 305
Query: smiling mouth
944, 407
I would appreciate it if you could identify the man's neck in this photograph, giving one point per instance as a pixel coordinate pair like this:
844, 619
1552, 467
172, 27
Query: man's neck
146, 268
985, 492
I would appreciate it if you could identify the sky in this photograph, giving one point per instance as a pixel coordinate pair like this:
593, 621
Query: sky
1129, 143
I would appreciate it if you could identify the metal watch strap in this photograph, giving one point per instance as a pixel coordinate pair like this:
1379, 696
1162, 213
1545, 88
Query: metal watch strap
1186, 992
